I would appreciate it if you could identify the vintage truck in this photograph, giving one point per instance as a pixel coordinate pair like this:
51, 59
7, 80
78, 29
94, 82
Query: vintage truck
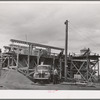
43, 74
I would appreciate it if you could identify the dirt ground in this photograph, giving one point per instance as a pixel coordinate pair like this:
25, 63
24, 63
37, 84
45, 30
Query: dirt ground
13, 80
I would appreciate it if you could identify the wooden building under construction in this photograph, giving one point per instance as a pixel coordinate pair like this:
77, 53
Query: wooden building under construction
25, 56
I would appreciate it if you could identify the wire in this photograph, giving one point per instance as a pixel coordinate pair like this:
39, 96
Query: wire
83, 38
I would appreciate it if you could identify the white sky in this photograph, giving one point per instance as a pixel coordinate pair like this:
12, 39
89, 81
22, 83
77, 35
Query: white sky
44, 23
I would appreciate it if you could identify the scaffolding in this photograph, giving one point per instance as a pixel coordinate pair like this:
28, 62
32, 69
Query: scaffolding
84, 67
26, 57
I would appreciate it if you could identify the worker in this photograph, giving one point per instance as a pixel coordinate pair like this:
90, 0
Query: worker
60, 55
55, 76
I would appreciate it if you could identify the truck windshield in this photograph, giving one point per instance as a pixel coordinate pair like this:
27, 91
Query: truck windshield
43, 68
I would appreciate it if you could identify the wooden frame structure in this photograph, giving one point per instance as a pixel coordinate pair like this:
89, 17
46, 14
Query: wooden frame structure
26, 61
86, 66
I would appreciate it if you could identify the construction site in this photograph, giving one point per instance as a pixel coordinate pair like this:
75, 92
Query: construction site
76, 71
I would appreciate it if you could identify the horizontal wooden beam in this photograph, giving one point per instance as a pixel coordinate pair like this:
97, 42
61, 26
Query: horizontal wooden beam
7, 47
35, 44
82, 60
18, 46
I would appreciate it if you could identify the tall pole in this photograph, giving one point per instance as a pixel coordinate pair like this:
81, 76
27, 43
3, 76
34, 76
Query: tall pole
66, 49
1, 62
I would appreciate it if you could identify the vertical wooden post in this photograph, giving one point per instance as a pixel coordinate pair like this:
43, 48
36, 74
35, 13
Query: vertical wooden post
8, 62
12, 63
53, 66
98, 68
28, 59
53, 62
17, 58
87, 70
60, 67
66, 49
88, 62
31, 48
0, 63
38, 57
71, 72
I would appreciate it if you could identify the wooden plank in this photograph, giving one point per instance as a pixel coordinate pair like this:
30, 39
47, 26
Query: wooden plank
23, 68
79, 60
6, 46
30, 73
18, 46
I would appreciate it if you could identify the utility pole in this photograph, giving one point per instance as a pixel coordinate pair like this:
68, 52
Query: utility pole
66, 50
0, 61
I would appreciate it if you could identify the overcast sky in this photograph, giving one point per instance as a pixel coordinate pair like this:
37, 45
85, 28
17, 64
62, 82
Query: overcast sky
44, 23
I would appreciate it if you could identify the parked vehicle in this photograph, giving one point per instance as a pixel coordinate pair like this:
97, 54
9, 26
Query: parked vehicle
42, 74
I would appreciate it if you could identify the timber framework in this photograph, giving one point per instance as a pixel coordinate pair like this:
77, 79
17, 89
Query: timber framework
25, 56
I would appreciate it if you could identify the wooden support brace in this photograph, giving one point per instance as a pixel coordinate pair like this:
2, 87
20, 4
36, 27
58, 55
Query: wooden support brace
26, 63
81, 67
4, 60
79, 71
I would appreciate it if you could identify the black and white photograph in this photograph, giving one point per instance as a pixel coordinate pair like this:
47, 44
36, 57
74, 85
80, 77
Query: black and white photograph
49, 45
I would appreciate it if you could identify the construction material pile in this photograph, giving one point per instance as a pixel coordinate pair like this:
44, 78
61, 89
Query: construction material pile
12, 79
